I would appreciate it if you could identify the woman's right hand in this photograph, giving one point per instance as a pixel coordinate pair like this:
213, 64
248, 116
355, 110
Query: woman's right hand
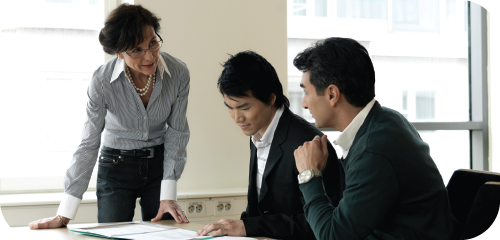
52, 222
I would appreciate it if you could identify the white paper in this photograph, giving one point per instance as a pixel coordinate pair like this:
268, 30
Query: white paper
235, 238
177, 234
120, 229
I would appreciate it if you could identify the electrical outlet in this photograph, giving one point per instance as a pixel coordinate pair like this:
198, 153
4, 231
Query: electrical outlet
223, 207
220, 207
196, 208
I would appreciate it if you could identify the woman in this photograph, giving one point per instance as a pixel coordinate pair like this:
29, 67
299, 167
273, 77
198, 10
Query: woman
139, 100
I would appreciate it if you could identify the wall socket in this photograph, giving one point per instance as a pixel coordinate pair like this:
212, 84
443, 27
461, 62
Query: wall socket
196, 208
223, 207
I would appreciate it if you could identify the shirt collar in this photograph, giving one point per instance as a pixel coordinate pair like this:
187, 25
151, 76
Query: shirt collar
120, 67
347, 136
269, 134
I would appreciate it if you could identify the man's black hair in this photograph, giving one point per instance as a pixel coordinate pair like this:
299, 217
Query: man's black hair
342, 62
249, 72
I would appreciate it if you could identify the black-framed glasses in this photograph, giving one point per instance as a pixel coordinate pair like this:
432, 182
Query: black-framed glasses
153, 47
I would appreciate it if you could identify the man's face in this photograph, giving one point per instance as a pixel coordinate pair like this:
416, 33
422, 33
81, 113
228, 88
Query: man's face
318, 105
249, 113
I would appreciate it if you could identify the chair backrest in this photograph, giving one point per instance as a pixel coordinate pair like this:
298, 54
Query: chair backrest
462, 188
484, 210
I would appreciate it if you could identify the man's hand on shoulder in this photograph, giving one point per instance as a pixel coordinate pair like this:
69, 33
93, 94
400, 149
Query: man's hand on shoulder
312, 155
224, 227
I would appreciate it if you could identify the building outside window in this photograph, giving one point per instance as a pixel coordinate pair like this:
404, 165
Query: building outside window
420, 53
299, 7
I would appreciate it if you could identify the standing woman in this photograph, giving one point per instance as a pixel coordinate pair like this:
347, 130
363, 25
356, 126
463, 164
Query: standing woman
139, 101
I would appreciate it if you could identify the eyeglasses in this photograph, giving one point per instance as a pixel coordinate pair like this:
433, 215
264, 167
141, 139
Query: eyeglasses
153, 47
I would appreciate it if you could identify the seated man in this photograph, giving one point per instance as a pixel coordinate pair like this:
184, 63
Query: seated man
254, 97
393, 187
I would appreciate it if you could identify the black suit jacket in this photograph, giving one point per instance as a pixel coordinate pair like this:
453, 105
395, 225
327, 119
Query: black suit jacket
278, 212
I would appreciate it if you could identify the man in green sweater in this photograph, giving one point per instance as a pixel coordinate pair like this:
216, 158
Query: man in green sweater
393, 189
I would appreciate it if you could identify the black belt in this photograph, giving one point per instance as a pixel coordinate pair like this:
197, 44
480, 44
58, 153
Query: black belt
148, 152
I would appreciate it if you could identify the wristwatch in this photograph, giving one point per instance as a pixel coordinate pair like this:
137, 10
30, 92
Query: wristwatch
307, 174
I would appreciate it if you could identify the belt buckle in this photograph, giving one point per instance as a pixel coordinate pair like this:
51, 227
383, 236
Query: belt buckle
151, 152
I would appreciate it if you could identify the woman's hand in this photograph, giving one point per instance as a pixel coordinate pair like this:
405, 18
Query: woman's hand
174, 209
52, 222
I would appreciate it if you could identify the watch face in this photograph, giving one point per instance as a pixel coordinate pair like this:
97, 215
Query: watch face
305, 175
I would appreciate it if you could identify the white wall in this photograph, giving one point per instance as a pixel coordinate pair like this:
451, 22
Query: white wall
202, 33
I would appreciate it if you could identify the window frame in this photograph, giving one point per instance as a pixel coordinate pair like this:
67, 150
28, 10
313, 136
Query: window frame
478, 86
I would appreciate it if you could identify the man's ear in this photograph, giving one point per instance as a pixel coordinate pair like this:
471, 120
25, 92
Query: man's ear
272, 99
332, 93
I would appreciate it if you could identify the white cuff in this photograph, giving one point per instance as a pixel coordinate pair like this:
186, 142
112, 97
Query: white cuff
68, 206
168, 190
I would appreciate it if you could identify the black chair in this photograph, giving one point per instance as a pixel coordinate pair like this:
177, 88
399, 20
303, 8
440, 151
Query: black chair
474, 199
484, 217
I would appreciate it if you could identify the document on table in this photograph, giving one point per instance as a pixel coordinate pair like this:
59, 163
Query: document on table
139, 230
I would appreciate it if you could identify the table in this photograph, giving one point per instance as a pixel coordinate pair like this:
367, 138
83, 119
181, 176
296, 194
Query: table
64, 233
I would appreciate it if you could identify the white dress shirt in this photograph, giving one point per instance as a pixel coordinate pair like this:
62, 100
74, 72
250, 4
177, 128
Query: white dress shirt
347, 136
263, 145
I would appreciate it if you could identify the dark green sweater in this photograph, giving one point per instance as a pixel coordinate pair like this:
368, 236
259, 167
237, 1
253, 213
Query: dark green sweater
393, 187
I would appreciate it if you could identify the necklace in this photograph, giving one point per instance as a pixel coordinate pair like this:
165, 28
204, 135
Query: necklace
141, 91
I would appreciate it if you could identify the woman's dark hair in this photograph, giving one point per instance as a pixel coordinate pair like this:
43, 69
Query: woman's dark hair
124, 28
342, 62
248, 71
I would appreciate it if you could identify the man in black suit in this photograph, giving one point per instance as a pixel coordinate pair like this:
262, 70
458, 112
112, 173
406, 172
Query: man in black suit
254, 97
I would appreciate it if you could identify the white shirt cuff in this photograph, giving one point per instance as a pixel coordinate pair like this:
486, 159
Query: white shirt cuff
168, 190
68, 206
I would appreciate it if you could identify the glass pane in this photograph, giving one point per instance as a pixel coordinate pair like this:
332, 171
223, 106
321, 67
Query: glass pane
49, 65
375, 9
320, 8
419, 53
449, 149
299, 7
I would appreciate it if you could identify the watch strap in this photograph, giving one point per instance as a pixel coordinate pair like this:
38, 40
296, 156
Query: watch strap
314, 173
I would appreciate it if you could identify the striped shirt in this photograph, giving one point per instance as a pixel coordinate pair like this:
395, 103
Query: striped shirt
115, 110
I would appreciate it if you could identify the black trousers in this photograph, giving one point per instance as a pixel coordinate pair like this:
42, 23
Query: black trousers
121, 180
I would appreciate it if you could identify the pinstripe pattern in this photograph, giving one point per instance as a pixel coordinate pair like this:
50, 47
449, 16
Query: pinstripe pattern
116, 110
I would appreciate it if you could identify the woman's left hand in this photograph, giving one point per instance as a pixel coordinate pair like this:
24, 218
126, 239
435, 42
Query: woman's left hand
174, 209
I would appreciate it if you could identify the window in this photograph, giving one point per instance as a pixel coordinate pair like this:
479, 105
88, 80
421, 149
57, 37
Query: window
420, 51
374, 9
49, 66
416, 15
451, 9
425, 105
320, 8
299, 7
310, 8
59, 1
404, 106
